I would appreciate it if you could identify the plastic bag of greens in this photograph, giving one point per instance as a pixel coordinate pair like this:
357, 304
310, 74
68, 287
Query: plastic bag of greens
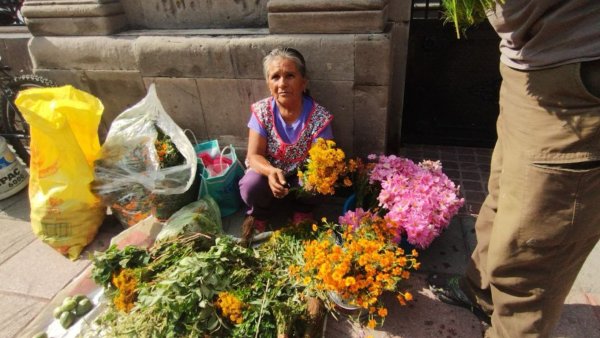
202, 216
147, 165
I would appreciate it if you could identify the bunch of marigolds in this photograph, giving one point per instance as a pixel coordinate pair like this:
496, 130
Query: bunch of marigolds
326, 166
231, 307
359, 269
126, 283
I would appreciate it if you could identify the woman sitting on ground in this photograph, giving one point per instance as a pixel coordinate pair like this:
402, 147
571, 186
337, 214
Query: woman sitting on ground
282, 130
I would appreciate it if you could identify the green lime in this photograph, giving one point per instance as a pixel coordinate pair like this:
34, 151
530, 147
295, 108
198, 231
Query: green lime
67, 319
69, 304
79, 297
84, 306
57, 312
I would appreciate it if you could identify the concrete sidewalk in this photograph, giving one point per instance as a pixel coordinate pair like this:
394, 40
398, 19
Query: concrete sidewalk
32, 273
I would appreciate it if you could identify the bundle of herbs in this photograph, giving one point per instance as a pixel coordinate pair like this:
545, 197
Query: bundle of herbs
467, 13
182, 288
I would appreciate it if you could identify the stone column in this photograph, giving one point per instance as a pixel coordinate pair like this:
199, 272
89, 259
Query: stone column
74, 17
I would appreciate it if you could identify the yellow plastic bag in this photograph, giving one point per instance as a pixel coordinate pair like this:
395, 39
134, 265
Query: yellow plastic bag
64, 144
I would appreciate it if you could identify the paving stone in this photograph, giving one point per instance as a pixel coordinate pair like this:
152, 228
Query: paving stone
579, 318
424, 317
22, 310
16, 207
587, 280
15, 236
472, 185
448, 252
472, 176
38, 271
467, 223
9, 201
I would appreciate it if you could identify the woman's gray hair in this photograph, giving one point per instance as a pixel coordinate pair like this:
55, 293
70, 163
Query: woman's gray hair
286, 53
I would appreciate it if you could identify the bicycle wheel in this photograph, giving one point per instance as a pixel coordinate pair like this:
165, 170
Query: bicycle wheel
14, 125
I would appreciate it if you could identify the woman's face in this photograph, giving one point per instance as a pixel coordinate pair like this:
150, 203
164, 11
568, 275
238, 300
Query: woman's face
285, 82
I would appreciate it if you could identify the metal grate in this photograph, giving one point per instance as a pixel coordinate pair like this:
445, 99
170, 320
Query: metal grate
426, 10
10, 12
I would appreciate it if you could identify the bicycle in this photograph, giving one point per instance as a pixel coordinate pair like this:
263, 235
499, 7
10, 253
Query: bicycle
10, 12
13, 126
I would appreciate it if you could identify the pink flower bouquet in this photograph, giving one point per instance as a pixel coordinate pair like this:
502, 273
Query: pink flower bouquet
417, 200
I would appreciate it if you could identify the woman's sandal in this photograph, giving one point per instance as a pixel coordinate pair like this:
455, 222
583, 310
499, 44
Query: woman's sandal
447, 289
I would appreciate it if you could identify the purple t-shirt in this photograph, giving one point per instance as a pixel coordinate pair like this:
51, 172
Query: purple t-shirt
289, 132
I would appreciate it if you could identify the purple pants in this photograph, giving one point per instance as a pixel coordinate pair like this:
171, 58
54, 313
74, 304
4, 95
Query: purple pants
256, 193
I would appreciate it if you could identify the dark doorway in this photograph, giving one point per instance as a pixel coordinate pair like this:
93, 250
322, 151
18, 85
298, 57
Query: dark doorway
452, 85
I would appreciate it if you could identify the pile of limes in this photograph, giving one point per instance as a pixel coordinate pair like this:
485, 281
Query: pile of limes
71, 309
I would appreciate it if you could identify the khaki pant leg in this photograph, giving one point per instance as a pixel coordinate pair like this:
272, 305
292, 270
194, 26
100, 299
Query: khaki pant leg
547, 219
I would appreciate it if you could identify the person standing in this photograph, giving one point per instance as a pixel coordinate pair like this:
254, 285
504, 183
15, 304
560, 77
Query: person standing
540, 219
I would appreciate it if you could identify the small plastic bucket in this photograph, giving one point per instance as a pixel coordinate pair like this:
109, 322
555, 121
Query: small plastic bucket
13, 175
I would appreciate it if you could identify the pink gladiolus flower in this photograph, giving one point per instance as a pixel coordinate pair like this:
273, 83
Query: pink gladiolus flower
420, 199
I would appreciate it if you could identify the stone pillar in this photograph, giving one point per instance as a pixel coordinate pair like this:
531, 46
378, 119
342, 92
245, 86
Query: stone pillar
74, 17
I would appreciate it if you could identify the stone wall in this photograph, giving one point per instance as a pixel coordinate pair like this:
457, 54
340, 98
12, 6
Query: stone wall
207, 78
191, 14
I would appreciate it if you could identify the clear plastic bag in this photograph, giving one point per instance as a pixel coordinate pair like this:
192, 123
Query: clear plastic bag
202, 216
133, 171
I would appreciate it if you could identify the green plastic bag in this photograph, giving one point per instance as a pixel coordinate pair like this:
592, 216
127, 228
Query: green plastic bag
200, 216
223, 187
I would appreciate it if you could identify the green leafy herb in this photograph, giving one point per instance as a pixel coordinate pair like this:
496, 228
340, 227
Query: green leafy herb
467, 13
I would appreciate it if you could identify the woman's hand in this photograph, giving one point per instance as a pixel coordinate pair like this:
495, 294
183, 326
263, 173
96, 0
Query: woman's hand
257, 150
277, 183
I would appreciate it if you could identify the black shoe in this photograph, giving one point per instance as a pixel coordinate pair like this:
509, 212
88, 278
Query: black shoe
447, 289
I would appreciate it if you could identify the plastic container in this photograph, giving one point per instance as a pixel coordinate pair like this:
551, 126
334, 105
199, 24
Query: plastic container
13, 175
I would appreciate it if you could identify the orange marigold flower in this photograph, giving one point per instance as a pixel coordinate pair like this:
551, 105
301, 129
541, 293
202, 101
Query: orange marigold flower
371, 324
382, 312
